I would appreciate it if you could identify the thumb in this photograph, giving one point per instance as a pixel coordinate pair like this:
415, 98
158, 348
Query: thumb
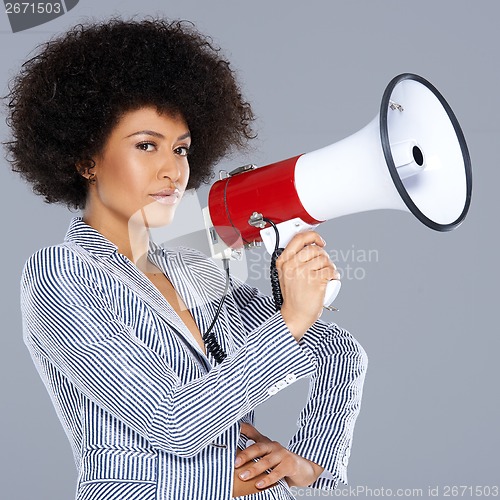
250, 431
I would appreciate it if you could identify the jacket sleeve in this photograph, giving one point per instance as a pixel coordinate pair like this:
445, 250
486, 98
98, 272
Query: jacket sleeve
68, 320
326, 423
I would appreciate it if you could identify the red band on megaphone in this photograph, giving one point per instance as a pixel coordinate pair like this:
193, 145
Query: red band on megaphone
268, 190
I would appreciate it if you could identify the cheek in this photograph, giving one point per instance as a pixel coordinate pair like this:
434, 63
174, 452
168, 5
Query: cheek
185, 174
130, 172
122, 182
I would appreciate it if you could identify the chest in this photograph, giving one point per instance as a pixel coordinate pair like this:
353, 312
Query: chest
164, 286
169, 315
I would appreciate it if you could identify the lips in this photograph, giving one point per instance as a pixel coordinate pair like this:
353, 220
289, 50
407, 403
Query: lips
167, 196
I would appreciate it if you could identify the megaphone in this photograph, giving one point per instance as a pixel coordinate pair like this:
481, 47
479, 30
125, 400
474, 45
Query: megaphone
412, 156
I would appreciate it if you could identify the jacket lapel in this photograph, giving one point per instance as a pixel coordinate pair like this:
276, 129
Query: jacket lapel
125, 271
201, 285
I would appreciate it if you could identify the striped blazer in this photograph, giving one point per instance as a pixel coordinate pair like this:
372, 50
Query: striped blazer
147, 413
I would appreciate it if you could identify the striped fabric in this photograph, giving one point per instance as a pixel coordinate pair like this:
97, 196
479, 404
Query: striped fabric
148, 414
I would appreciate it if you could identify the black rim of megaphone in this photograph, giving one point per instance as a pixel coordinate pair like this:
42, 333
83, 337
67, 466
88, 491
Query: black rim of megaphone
384, 135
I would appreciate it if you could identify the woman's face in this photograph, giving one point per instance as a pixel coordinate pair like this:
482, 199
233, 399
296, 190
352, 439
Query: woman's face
143, 169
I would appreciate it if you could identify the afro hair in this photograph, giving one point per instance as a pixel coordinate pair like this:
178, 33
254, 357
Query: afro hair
66, 100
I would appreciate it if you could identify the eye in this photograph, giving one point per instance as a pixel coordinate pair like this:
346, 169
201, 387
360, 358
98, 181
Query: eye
146, 146
182, 150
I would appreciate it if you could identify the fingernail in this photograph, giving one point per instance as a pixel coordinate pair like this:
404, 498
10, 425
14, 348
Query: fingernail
324, 242
245, 474
260, 484
237, 462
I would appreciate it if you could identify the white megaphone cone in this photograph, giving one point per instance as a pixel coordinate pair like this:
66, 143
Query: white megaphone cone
411, 157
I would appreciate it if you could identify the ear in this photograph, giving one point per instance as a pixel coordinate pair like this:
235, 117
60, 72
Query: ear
85, 169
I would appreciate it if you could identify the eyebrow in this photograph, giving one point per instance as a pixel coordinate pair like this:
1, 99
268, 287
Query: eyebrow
157, 134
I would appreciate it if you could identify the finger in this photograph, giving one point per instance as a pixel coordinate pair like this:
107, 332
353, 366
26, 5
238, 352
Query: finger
249, 471
327, 274
319, 263
308, 252
317, 271
307, 269
298, 242
321, 268
256, 450
273, 477
306, 260
251, 432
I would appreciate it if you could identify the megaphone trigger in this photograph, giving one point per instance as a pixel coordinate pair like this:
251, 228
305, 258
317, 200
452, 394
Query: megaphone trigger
332, 290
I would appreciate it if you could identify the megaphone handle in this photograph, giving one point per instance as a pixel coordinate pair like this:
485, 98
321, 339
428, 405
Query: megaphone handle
332, 287
285, 231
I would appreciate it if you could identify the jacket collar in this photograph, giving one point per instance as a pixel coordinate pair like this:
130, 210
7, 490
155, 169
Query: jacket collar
90, 239
93, 241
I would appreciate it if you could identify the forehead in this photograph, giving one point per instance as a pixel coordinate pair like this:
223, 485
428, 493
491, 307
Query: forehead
149, 118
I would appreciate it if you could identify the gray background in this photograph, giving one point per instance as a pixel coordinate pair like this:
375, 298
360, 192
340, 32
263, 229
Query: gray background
425, 310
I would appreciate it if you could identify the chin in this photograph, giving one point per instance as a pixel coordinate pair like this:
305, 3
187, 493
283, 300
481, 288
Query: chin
156, 215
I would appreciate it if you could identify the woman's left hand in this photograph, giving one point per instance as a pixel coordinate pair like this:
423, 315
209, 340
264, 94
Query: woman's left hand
283, 463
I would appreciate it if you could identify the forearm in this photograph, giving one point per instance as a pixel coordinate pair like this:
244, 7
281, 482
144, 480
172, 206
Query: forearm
326, 424
240, 383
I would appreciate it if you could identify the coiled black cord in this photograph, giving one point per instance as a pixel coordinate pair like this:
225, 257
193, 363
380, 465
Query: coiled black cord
275, 282
209, 338
273, 272
211, 343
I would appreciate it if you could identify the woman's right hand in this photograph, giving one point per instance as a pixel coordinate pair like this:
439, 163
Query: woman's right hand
304, 270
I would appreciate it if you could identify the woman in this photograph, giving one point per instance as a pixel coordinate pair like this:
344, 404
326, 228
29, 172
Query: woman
105, 119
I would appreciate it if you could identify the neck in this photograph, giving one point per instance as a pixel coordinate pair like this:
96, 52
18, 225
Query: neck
130, 236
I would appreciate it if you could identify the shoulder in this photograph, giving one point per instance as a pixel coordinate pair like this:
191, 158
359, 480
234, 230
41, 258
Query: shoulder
52, 260
54, 268
198, 262
46, 261
192, 254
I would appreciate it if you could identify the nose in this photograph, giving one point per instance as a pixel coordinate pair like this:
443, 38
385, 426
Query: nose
170, 167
